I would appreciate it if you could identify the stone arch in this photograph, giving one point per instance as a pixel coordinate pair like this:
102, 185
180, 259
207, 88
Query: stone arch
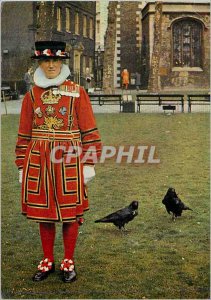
193, 18
187, 42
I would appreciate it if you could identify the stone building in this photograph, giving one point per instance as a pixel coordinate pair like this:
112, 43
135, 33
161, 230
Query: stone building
100, 30
166, 42
101, 23
67, 21
176, 45
122, 41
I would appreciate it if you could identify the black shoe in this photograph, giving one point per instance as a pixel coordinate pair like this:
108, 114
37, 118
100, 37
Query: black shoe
39, 275
69, 276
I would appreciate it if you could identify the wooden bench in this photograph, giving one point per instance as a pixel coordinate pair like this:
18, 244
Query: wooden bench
106, 100
146, 99
168, 101
8, 94
198, 99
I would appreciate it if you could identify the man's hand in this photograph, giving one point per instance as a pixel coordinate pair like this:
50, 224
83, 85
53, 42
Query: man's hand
89, 173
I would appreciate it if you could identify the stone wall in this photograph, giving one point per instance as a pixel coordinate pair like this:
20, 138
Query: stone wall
145, 53
46, 23
154, 79
158, 73
102, 18
183, 78
109, 50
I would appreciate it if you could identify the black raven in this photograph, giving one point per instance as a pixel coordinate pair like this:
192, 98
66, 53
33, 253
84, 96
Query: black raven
122, 216
174, 204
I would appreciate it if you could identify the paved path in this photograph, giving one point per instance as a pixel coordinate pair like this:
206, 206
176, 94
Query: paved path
14, 107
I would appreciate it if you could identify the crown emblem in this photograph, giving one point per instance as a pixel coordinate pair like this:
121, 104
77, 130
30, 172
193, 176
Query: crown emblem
49, 98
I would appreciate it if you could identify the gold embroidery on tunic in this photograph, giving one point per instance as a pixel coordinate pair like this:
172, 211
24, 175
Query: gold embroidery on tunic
52, 123
49, 98
50, 110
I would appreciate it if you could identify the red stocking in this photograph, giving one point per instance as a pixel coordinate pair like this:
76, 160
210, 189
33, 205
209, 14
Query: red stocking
47, 234
70, 234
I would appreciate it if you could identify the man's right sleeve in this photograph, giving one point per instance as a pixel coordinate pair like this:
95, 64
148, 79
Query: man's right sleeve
25, 129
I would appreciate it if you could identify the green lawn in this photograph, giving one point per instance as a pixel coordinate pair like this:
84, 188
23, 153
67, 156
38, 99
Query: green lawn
156, 258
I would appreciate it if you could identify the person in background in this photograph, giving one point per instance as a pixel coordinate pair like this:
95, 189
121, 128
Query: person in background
137, 80
88, 77
28, 79
125, 78
56, 122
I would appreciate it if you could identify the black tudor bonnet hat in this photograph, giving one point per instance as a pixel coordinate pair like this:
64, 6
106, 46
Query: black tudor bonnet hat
50, 49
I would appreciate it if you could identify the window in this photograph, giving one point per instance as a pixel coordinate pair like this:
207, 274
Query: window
77, 23
68, 19
85, 26
91, 29
187, 43
98, 27
58, 18
38, 13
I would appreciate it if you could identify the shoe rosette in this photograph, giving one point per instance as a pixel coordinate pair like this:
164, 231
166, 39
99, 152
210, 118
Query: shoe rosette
80, 221
45, 265
67, 265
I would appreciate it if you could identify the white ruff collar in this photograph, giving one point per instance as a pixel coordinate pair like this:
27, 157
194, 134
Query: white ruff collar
42, 81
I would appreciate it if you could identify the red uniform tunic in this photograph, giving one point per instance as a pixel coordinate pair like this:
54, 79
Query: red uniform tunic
54, 190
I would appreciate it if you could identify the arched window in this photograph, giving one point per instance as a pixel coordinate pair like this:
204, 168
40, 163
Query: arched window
187, 43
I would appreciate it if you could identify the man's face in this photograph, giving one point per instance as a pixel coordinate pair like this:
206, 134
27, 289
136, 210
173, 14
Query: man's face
51, 67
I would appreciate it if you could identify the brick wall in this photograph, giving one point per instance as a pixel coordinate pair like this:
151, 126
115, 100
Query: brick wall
129, 51
122, 42
17, 36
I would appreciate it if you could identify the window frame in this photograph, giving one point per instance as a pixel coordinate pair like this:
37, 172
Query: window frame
68, 19
85, 19
59, 18
77, 23
91, 28
193, 66
98, 27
